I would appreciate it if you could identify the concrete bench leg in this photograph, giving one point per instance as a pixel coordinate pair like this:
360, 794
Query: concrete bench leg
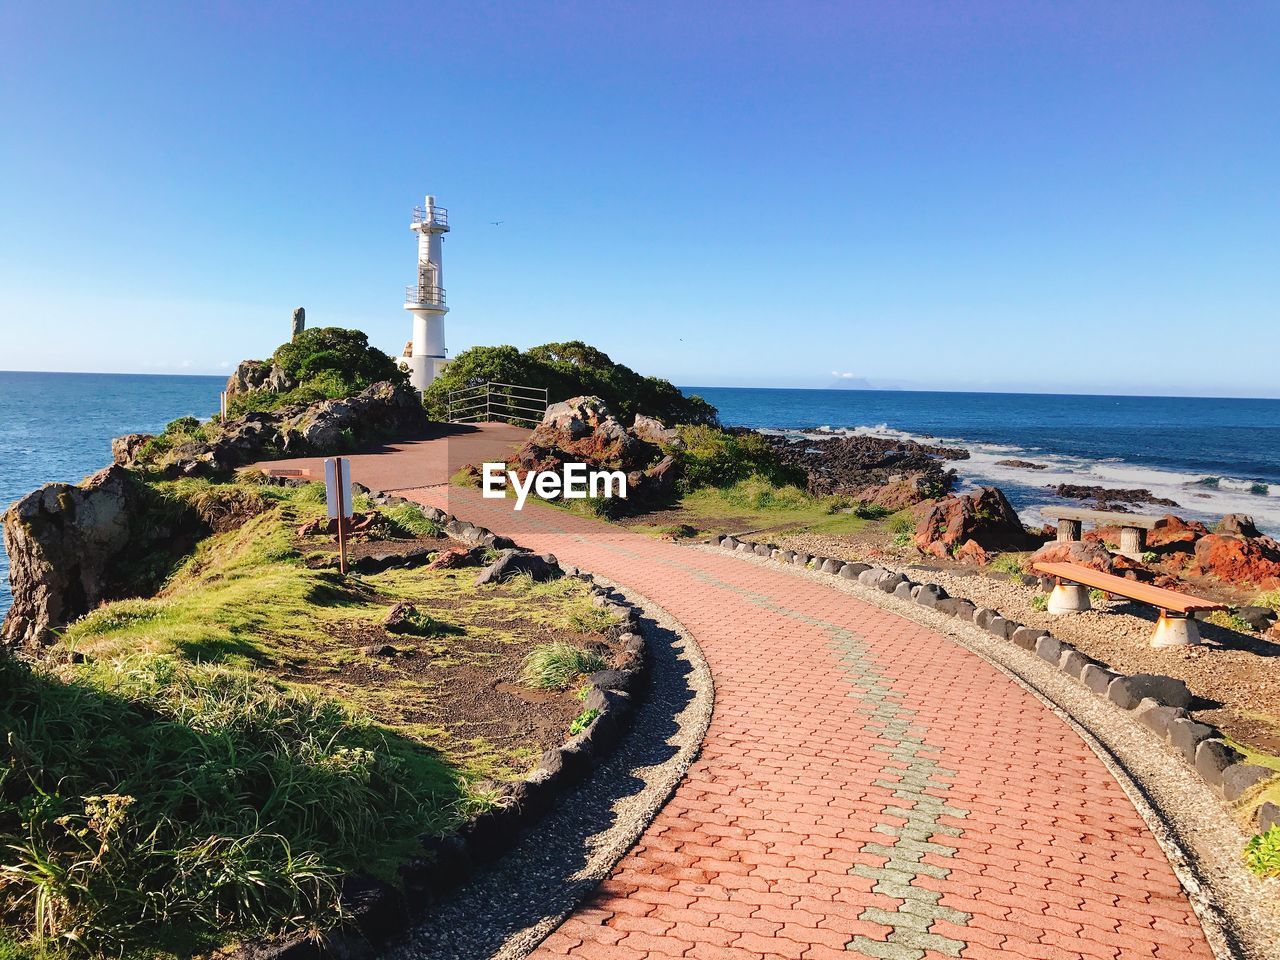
1069, 530
1175, 632
1069, 598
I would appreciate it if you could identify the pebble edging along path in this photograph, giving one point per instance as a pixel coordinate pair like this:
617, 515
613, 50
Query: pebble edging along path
866, 787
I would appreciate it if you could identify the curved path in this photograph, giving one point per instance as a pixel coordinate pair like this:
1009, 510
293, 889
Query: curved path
866, 788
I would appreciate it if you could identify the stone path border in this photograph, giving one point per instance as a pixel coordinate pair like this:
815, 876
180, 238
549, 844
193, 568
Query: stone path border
1182, 807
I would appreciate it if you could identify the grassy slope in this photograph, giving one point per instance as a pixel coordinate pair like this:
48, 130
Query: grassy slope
218, 711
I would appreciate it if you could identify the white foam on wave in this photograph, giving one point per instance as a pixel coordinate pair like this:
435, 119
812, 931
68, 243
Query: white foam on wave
1028, 489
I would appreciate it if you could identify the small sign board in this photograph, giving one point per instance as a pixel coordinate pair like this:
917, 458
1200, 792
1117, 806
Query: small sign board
337, 486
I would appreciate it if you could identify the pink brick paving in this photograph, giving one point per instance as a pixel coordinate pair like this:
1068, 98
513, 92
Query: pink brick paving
866, 788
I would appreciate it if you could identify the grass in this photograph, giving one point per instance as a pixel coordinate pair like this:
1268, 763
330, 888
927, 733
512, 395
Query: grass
215, 766
1271, 789
156, 802
554, 666
409, 521
1229, 621
1010, 563
1040, 602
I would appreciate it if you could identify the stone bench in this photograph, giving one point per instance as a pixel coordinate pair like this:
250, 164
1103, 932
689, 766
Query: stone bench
1133, 527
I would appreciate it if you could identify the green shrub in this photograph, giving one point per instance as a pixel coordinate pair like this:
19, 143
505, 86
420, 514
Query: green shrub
1229, 621
1149, 557
903, 538
1271, 598
1097, 596
1262, 853
553, 666
1040, 602
710, 457
871, 511
334, 355
582, 721
565, 370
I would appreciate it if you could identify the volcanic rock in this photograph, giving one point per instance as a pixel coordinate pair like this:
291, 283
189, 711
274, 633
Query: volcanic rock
888, 472
1105, 496
68, 546
1174, 533
1086, 553
1242, 560
983, 517
1021, 464
1237, 525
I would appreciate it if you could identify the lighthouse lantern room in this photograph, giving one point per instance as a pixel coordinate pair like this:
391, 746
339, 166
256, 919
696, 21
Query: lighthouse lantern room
425, 299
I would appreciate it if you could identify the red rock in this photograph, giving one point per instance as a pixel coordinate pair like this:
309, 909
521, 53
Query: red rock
984, 517
1086, 553
448, 559
1241, 560
971, 552
1174, 533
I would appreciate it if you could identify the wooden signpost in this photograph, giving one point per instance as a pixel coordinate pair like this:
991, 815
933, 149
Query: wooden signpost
337, 489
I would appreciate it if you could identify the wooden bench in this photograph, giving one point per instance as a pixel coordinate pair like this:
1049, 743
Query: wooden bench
1133, 527
1175, 628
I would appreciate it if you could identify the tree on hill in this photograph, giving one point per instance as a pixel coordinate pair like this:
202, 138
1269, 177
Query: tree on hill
567, 370
320, 363
338, 353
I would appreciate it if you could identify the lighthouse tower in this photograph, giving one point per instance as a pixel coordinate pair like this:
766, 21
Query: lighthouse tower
425, 299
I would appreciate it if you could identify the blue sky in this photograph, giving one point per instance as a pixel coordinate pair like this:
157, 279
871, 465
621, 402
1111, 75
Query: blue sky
1067, 197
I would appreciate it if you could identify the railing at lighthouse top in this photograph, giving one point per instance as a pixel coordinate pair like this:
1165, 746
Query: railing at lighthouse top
418, 293
436, 217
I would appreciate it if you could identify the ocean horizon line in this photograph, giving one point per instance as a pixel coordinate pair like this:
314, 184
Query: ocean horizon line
708, 386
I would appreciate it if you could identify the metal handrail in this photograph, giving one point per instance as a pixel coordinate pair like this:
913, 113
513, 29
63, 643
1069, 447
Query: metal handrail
439, 216
418, 293
484, 401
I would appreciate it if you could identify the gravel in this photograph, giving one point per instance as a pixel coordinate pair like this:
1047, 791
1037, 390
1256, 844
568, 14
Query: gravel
510, 906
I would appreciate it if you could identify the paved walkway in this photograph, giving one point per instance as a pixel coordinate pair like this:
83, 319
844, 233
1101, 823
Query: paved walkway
866, 788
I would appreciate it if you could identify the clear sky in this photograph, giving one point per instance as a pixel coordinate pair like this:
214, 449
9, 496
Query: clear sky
1049, 196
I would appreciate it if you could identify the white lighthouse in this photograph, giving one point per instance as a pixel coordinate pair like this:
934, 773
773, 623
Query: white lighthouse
425, 299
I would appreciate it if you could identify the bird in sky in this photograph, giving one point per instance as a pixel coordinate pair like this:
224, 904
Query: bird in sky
495, 222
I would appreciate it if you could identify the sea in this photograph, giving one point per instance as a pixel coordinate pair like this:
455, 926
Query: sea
1210, 456
58, 426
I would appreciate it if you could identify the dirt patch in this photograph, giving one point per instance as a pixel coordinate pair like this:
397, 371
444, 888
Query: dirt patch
1235, 676
459, 687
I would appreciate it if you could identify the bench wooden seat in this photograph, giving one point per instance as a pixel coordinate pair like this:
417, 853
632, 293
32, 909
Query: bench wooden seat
1133, 526
1179, 630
